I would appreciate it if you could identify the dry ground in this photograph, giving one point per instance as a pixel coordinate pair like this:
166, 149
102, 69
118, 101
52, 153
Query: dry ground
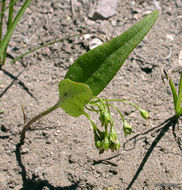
59, 152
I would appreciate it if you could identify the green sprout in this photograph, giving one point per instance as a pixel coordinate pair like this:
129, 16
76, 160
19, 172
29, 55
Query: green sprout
89, 75
11, 25
177, 97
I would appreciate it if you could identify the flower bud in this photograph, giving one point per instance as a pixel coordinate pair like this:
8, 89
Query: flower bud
115, 146
127, 128
144, 113
106, 143
99, 144
113, 135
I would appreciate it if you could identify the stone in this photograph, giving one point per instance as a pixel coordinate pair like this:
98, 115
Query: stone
169, 37
87, 36
94, 43
157, 4
105, 9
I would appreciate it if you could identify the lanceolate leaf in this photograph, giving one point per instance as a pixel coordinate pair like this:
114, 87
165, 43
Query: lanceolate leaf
178, 103
175, 97
97, 67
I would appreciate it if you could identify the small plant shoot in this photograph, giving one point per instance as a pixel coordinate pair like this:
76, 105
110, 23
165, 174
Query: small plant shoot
11, 24
177, 97
89, 75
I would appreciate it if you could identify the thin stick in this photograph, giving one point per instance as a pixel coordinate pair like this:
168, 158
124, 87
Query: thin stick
72, 9
24, 115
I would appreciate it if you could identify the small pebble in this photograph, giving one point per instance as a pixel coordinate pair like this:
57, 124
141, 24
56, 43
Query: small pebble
24, 150
71, 60
57, 133
156, 4
169, 37
87, 36
105, 9
94, 43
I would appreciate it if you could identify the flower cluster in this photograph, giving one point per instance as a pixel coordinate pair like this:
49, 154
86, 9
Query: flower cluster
108, 138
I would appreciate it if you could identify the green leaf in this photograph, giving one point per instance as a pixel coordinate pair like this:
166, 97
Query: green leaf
175, 97
73, 96
180, 113
173, 89
178, 103
97, 67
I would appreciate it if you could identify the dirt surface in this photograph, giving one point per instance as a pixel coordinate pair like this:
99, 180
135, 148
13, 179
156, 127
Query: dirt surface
59, 151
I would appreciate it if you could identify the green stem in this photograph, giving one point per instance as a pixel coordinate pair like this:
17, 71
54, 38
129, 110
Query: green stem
118, 112
91, 109
40, 115
10, 18
2, 17
42, 46
93, 124
125, 101
11, 4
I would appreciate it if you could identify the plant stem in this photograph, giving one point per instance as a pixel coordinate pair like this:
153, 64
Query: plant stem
118, 112
2, 16
88, 117
1, 23
44, 45
11, 4
125, 101
10, 18
40, 115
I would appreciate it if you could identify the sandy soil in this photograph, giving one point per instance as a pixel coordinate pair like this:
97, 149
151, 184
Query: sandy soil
59, 151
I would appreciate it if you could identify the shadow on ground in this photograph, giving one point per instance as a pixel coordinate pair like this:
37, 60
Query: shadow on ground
162, 129
31, 184
14, 79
